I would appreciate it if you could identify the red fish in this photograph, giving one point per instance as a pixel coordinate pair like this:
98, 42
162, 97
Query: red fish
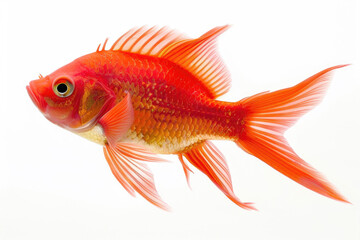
154, 91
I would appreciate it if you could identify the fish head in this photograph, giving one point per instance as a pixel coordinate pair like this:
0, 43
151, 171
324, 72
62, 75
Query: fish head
71, 97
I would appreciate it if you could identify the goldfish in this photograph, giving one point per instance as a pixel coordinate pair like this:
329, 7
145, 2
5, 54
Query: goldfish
154, 91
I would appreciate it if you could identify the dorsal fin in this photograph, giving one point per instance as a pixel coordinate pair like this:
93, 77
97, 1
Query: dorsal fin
146, 41
199, 56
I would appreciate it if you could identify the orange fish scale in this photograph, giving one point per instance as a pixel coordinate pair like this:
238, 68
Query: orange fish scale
172, 109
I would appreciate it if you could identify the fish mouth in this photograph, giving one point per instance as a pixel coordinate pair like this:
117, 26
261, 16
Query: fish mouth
35, 98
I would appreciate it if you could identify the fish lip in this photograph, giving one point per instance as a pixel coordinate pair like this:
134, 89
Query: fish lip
34, 98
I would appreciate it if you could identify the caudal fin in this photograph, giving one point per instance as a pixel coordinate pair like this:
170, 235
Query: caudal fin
268, 115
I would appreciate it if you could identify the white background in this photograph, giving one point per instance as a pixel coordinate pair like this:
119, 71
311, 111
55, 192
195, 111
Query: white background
55, 185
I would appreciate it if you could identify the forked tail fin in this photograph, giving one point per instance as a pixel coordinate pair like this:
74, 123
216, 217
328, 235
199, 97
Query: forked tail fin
268, 115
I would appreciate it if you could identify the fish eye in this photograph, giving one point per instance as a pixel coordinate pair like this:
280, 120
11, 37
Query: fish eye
63, 87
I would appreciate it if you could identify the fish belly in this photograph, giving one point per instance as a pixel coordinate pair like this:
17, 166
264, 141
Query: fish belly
168, 134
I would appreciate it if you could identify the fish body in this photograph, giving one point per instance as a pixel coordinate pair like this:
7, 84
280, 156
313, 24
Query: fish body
172, 109
154, 91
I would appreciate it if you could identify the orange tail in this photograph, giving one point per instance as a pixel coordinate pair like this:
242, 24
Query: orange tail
268, 115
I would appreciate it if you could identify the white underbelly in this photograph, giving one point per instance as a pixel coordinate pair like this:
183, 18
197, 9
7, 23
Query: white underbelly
165, 146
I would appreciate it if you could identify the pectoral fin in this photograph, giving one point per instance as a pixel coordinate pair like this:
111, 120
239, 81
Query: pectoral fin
118, 120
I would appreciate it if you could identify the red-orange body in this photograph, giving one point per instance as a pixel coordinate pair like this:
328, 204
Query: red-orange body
172, 109
155, 91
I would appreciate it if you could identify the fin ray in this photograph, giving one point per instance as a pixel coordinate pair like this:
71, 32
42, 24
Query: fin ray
270, 114
209, 160
118, 120
186, 169
132, 173
199, 56
146, 41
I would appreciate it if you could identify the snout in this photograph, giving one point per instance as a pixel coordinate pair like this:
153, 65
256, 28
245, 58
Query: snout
36, 90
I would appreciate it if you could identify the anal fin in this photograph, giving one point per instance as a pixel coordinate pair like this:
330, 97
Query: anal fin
209, 160
186, 169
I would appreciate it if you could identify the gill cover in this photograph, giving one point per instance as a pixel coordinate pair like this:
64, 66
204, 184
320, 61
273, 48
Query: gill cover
95, 101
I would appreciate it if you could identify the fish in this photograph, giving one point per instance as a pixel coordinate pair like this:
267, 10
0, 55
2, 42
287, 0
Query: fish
155, 91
